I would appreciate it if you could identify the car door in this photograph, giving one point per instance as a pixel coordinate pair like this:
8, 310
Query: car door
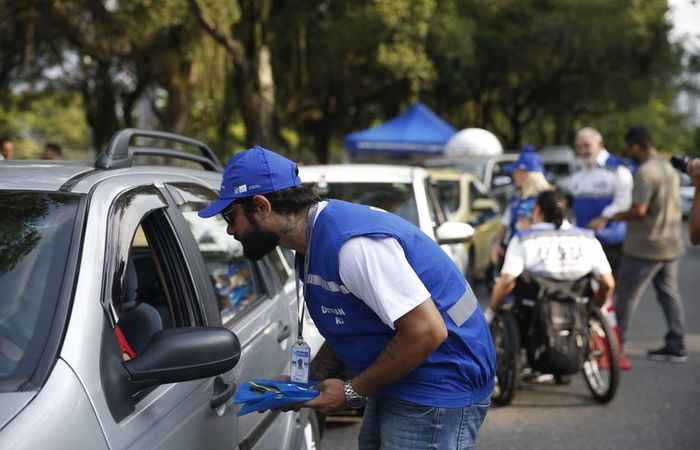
146, 270
251, 303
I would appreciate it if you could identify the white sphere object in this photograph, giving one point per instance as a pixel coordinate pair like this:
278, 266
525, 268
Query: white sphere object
473, 142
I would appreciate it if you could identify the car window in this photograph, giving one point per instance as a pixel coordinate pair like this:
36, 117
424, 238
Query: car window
448, 193
35, 239
397, 198
153, 289
236, 279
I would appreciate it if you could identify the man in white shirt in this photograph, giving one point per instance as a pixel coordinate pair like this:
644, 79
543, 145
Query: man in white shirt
601, 187
552, 248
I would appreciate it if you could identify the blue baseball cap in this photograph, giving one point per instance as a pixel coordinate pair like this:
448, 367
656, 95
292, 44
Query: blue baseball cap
253, 172
528, 160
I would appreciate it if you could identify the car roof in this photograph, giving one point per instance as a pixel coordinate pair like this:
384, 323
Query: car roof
81, 176
40, 175
361, 173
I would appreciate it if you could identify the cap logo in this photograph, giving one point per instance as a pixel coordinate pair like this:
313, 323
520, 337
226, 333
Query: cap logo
240, 189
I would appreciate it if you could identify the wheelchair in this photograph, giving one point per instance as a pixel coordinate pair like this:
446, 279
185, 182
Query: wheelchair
554, 327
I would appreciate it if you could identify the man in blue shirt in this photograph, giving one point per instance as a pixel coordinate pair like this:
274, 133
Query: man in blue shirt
392, 306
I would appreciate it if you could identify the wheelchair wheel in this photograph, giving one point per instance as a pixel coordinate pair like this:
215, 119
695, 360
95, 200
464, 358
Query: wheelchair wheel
601, 368
506, 339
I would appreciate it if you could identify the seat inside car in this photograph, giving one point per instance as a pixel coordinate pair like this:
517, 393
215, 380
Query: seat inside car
138, 320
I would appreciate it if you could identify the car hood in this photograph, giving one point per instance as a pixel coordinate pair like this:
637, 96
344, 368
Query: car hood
11, 404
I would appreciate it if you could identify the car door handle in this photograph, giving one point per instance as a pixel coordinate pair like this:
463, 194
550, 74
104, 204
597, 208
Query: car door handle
223, 392
284, 333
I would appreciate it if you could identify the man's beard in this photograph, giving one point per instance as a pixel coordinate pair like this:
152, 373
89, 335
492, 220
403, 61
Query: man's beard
258, 242
585, 161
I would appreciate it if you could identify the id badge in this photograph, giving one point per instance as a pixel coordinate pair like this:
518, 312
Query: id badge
301, 356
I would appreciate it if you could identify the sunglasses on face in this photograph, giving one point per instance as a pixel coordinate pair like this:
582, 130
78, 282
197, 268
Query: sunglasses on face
226, 214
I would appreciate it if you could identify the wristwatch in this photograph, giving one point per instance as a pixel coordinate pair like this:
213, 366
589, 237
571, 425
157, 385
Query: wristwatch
352, 399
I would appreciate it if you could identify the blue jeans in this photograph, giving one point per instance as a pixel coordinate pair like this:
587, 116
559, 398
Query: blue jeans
392, 424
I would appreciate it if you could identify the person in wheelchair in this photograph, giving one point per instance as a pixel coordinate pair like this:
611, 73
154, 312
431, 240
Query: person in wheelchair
552, 252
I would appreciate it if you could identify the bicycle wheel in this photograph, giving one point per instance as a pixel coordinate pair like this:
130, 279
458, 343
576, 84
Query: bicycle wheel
601, 368
506, 339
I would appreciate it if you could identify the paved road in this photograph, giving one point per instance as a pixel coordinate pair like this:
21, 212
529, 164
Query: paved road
657, 405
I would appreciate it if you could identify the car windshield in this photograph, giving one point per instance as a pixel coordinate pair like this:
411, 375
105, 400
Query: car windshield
35, 237
397, 198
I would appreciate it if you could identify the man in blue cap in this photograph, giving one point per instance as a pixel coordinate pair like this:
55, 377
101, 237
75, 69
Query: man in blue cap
392, 306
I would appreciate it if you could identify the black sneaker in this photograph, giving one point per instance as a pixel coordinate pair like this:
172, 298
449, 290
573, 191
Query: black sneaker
667, 354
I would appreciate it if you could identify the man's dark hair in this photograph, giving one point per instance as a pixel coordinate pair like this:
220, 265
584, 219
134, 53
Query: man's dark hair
553, 205
640, 136
286, 201
54, 147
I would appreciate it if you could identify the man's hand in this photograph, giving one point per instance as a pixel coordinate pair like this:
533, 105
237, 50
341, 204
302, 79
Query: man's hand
694, 171
331, 398
598, 223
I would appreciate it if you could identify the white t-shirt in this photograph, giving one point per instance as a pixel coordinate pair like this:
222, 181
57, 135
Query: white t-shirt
558, 255
376, 271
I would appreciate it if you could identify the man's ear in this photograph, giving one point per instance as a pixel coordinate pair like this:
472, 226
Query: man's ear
262, 205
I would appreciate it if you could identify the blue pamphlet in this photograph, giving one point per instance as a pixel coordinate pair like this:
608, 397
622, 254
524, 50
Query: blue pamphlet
260, 395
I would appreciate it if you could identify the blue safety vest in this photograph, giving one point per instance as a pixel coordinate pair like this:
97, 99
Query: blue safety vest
591, 202
458, 373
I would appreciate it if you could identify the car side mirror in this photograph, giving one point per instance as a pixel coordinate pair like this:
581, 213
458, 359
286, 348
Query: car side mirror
454, 233
485, 205
501, 180
184, 354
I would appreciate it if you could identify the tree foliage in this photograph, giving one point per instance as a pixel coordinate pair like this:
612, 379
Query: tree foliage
298, 76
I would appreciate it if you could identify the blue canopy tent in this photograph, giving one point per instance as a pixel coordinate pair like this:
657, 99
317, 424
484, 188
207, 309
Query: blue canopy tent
417, 131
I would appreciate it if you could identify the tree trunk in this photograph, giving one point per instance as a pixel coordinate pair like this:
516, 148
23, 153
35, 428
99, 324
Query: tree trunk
255, 80
179, 89
322, 139
100, 106
227, 109
255, 89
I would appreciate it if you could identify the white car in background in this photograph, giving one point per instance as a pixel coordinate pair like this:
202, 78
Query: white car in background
403, 190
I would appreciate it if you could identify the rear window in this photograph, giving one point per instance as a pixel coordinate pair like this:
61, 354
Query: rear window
397, 198
35, 237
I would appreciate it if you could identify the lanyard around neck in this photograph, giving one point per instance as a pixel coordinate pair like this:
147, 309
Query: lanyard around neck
310, 220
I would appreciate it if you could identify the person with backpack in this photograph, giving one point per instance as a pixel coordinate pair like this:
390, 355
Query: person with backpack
553, 248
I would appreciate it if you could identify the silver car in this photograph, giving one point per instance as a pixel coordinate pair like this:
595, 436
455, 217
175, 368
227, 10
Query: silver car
126, 321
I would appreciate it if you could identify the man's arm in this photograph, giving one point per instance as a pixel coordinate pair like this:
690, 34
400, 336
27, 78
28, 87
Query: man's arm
418, 333
694, 220
622, 196
636, 212
504, 286
606, 287
326, 364
622, 200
